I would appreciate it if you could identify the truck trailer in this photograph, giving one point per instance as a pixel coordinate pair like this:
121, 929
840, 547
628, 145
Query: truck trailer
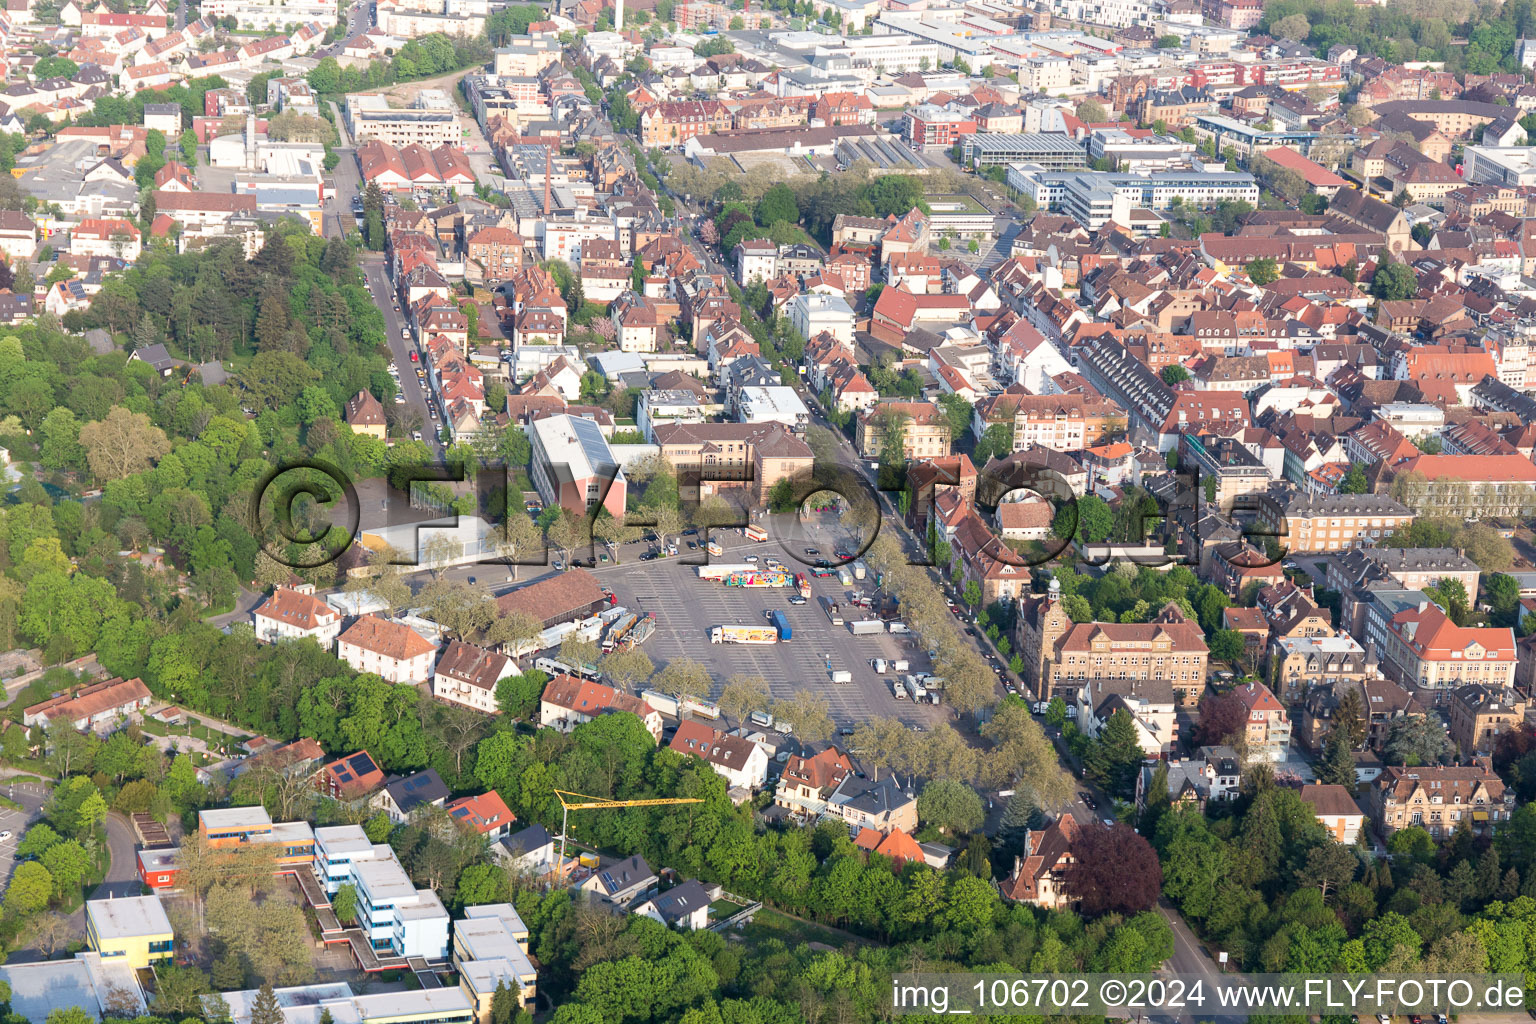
781, 623
864, 627
720, 572
661, 702
619, 630
744, 635
834, 613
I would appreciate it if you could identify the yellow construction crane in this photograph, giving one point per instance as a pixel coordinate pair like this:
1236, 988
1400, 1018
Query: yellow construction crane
582, 802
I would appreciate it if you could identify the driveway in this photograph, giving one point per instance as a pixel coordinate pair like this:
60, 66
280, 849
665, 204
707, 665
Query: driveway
123, 873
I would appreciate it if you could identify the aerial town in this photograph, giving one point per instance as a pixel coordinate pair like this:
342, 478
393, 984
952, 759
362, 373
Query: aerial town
640, 511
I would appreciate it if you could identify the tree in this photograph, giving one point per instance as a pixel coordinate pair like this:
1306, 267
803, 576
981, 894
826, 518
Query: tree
1349, 718
777, 206
807, 714
1221, 718
683, 677
1227, 645
951, 805
1091, 112
1294, 27
1116, 754
1263, 271
1113, 870
31, 888
744, 694
1354, 481
1174, 374
1338, 765
344, 904
265, 1009
121, 444
1394, 281
627, 668
1416, 740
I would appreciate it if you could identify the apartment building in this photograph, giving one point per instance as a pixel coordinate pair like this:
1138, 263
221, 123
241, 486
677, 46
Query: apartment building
1298, 663
1333, 522
394, 652
924, 427
468, 675
271, 15
1482, 486
1479, 712
1050, 421
1439, 799
742, 763
1267, 727
1150, 703
1336, 810
1226, 460
1430, 654
431, 122
397, 918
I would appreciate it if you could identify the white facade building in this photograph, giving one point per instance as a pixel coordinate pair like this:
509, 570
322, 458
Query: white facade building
399, 919
810, 314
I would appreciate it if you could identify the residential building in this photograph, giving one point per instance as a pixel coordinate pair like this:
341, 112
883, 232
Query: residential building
1439, 799
808, 782
742, 763
531, 851
468, 675
924, 427
132, 930
568, 702
1149, 702
1299, 663
878, 804
1422, 648
293, 613
351, 779
394, 652
1313, 522
365, 415
729, 456
1479, 712
623, 883
1336, 810
1268, 728
1040, 869
488, 814
431, 122
404, 795
1468, 486
811, 313
684, 906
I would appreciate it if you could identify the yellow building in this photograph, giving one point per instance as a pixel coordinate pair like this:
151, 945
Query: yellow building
132, 930
490, 946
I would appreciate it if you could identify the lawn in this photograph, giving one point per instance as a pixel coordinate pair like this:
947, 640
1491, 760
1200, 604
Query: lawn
771, 924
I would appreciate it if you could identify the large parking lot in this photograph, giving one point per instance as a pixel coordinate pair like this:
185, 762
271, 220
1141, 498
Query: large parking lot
686, 607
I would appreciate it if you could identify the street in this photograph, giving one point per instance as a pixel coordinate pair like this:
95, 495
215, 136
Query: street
414, 389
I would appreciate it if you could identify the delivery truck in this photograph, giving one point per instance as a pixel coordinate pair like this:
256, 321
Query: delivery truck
860, 570
864, 627
743, 635
781, 623
758, 578
761, 719
714, 548
898, 690
756, 533
844, 576
841, 675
